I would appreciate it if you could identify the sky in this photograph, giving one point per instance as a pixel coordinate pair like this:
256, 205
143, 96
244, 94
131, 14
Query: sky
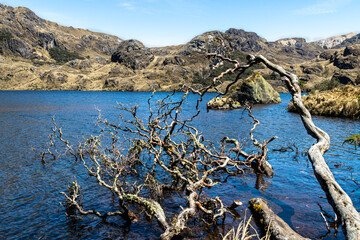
173, 22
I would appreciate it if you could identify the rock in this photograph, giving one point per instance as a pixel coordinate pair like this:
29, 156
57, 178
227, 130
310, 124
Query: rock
79, 64
111, 83
21, 48
101, 60
133, 54
352, 50
174, 60
223, 103
343, 78
312, 69
245, 41
332, 42
209, 42
349, 62
254, 89
327, 55
47, 40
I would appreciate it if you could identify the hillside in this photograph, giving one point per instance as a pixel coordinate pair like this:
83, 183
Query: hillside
36, 54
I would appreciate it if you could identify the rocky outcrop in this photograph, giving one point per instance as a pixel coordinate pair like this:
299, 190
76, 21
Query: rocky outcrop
349, 41
255, 90
349, 59
209, 42
223, 103
32, 36
339, 102
332, 42
245, 41
133, 54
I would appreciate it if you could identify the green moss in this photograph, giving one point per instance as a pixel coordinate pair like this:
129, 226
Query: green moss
149, 206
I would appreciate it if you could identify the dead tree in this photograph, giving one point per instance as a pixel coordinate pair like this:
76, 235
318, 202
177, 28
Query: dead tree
161, 144
165, 144
336, 196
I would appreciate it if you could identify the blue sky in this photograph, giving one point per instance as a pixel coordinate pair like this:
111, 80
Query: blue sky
173, 22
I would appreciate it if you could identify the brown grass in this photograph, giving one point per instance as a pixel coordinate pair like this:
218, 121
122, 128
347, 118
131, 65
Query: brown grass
339, 102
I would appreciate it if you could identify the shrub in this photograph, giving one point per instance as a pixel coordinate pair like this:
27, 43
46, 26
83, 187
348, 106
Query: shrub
61, 55
328, 85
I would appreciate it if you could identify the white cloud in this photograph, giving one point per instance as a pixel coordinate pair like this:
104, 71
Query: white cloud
128, 5
322, 7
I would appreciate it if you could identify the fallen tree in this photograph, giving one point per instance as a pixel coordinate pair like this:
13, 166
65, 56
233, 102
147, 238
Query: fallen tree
164, 153
140, 159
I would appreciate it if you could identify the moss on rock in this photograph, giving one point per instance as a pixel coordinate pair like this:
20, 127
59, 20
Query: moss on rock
255, 89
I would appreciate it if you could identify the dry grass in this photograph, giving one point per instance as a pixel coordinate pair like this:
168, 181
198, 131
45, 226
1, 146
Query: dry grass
242, 232
339, 102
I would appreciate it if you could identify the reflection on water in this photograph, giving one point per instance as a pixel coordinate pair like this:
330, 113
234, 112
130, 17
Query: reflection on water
29, 193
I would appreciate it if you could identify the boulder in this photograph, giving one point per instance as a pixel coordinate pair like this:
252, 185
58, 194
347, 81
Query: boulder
19, 47
133, 54
223, 103
254, 89
349, 62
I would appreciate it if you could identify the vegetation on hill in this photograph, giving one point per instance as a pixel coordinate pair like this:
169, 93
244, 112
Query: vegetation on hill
5, 37
61, 55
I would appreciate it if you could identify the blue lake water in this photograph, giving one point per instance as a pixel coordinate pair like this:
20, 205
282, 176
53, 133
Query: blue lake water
30, 191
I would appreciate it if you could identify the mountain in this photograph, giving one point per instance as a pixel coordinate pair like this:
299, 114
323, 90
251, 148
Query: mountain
36, 54
335, 41
32, 36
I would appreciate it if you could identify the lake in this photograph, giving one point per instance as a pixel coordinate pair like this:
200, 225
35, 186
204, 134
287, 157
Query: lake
30, 191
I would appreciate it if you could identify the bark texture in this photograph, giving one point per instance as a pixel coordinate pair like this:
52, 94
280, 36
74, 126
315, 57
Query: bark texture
272, 223
336, 196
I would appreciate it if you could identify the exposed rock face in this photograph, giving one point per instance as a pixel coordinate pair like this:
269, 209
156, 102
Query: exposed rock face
312, 69
32, 36
20, 48
255, 90
349, 41
245, 41
209, 42
292, 42
133, 54
349, 59
136, 67
332, 42
339, 102
298, 48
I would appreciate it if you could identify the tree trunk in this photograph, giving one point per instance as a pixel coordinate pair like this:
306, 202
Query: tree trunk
336, 196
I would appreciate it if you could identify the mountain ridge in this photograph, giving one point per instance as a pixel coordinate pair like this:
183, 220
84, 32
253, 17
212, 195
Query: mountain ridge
99, 61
